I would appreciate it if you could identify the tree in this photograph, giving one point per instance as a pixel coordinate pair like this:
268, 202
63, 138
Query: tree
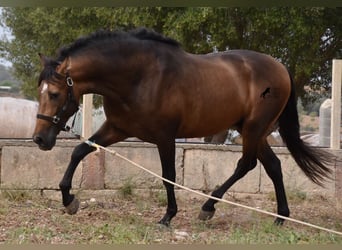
304, 39
47, 29
41, 30
4, 73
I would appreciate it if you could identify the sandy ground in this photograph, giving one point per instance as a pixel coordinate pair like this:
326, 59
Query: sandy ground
35, 220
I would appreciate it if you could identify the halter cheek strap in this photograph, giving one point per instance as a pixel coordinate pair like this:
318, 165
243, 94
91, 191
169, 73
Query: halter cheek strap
56, 119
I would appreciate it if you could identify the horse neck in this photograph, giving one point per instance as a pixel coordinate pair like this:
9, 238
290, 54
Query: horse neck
113, 75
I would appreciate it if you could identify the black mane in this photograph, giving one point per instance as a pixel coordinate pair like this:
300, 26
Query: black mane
102, 35
49, 71
146, 34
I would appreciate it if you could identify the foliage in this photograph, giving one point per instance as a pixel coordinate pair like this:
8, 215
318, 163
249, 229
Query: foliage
4, 73
17, 195
304, 39
7, 79
126, 191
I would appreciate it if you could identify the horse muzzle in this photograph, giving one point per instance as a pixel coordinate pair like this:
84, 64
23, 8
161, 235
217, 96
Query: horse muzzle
44, 142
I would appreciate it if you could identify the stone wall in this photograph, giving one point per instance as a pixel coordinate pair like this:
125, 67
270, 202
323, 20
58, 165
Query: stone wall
199, 166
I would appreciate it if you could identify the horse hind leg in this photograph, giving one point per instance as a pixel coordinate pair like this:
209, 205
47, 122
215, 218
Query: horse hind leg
272, 167
251, 135
243, 167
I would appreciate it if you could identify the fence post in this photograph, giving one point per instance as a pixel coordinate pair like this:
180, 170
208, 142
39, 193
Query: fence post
93, 164
87, 119
335, 136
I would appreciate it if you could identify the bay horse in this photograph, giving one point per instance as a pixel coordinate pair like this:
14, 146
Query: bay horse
155, 91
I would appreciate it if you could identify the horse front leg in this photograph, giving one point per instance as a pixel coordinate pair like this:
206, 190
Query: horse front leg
70, 203
167, 157
105, 136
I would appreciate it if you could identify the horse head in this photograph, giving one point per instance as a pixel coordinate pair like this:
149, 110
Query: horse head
57, 102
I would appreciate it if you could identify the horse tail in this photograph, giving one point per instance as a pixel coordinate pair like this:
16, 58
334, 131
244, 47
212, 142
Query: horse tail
314, 162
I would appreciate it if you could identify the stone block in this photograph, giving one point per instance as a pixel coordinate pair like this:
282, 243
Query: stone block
294, 179
30, 168
201, 167
206, 169
118, 171
93, 170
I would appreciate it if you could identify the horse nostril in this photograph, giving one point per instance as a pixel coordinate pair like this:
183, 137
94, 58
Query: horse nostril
37, 139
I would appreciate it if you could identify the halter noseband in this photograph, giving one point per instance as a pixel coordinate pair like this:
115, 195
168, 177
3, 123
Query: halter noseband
70, 99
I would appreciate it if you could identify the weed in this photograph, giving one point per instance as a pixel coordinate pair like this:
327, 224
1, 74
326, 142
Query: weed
16, 195
271, 196
264, 233
293, 195
161, 197
313, 114
124, 231
24, 235
296, 195
3, 209
158, 194
126, 191
308, 128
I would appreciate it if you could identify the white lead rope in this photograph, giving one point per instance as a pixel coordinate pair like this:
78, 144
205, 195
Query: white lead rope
97, 146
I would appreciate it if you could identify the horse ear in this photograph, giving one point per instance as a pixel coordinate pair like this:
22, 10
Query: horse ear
43, 59
63, 67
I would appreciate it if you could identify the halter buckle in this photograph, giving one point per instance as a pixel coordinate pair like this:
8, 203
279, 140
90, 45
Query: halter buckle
69, 81
55, 119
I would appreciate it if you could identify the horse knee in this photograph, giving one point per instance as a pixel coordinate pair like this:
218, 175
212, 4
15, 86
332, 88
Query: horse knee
244, 166
80, 151
253, 164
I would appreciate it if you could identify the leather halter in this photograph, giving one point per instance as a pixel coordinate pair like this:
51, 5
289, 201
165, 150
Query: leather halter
56, 119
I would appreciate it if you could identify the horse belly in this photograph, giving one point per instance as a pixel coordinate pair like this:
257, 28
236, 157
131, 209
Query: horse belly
210, 119
214, 101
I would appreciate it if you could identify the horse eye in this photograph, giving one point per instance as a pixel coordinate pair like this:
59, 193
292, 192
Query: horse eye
53, 96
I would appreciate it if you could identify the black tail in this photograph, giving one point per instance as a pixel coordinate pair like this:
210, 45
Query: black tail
313, 161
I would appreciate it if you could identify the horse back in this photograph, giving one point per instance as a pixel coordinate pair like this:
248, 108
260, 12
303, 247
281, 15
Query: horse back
222, 90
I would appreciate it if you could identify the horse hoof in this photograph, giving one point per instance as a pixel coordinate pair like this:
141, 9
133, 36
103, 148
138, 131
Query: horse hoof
73, 207
162, 227
165, 223
206, 215
279, 222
